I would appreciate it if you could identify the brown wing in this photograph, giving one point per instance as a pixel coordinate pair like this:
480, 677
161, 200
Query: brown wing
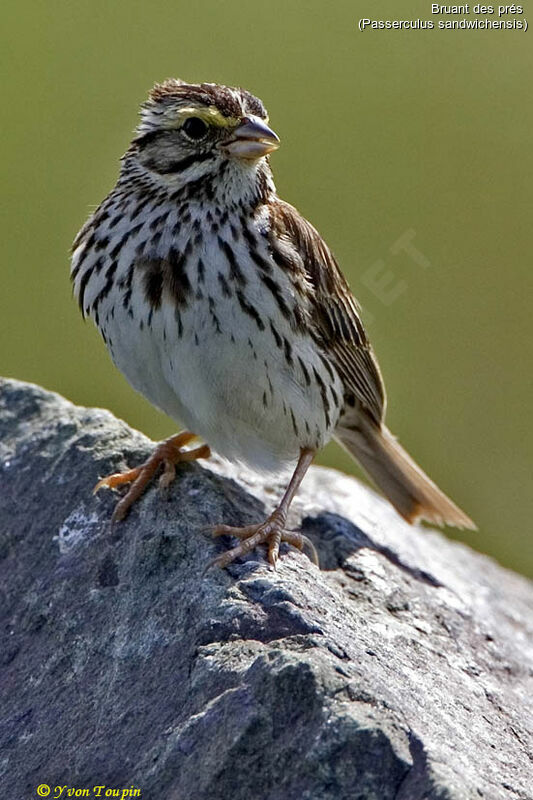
334, 310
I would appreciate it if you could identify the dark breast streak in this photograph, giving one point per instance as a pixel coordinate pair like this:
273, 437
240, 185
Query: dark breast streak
179, 278
165, 276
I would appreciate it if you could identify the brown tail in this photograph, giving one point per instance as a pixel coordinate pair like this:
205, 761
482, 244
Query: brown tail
402, 481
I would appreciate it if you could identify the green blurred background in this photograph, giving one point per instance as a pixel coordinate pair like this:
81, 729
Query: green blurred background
383, 133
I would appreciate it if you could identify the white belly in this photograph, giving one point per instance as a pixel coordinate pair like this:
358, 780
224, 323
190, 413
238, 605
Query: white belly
243, 400
254, 394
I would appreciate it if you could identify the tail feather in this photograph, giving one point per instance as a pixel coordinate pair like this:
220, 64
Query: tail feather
408, 488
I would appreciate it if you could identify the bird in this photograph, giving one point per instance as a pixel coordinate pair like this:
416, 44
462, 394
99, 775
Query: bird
226, 309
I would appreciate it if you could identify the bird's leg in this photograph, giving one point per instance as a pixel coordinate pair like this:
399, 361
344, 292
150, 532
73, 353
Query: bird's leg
167, 453
272, 530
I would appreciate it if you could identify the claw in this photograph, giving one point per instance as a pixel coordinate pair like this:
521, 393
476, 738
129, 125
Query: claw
270, 532
169, 473
117, 479
300, 541
168, 453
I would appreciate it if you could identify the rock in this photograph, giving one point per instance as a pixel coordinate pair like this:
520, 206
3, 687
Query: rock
401, 669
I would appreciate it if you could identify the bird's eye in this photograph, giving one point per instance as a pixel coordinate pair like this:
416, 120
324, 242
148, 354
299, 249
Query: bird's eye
195, 128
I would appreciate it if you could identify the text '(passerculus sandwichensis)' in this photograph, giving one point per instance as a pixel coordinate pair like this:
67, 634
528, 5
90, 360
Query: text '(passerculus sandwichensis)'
226, 309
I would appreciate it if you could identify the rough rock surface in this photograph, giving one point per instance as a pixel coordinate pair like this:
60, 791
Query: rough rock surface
401, 669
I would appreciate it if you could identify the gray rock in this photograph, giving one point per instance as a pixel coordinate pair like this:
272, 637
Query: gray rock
401, 669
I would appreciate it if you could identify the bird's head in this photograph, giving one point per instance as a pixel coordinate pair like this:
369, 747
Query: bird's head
189, 132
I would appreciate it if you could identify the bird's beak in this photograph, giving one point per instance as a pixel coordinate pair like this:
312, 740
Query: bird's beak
251, 139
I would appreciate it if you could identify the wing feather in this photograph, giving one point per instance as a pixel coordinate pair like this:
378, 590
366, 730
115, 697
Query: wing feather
334, 312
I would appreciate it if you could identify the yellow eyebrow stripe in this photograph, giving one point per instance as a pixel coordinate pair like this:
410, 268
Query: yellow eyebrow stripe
209, 114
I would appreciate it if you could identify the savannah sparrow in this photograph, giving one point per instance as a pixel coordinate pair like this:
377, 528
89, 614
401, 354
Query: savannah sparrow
226, 309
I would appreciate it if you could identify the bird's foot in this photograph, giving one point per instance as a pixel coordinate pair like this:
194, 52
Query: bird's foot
167, 454
271, 531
